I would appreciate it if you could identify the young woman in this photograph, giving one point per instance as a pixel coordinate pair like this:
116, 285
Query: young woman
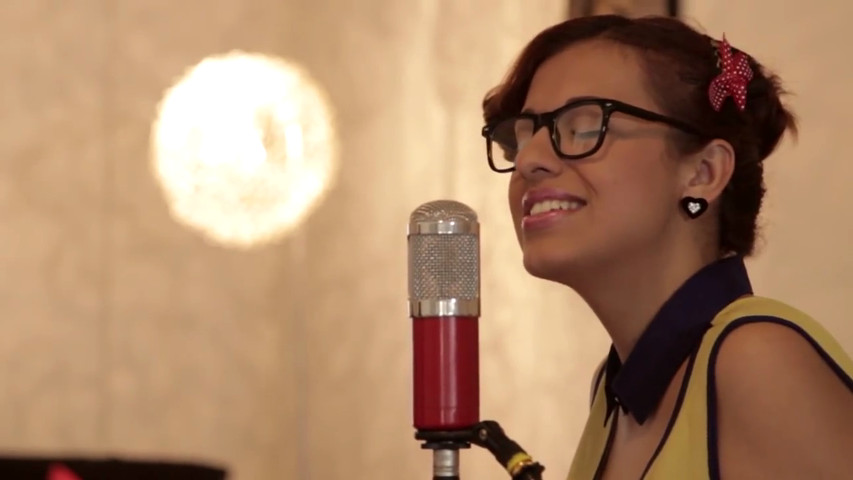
636, 150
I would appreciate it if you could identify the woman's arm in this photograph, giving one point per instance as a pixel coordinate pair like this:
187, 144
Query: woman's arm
782, 412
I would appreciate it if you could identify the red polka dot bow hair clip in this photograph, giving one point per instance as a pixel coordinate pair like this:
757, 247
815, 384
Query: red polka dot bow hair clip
734, 76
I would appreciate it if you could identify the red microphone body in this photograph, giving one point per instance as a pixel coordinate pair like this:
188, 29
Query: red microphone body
444, 304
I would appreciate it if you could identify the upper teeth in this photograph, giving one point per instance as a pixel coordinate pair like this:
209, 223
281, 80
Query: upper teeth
548, 205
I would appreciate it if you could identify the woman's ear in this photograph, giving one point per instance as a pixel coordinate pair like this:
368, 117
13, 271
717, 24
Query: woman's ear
709, 171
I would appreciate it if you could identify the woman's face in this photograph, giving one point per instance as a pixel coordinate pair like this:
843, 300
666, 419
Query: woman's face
623, 200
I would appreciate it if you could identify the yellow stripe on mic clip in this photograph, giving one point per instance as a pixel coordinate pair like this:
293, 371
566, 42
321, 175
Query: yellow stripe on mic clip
517, 462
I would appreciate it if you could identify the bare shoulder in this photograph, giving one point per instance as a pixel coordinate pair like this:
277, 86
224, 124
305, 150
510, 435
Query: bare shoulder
783, 409
772, 358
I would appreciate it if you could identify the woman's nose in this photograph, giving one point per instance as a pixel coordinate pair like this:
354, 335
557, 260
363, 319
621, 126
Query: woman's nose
537, 158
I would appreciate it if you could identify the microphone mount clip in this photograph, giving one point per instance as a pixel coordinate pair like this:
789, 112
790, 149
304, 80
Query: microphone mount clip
487, 434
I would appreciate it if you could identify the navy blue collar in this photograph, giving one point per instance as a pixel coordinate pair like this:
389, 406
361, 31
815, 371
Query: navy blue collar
673, 334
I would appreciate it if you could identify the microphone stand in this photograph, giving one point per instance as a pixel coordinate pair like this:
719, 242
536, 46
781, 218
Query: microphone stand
487, 434
445, 446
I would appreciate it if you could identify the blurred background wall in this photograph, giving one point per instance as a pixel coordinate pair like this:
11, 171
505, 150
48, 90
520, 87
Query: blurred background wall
126, 332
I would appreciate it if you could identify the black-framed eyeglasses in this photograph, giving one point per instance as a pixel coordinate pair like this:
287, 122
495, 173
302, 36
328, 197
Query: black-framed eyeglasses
577, 129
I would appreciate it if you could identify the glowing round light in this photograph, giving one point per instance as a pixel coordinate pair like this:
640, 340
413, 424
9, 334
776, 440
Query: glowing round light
243, 146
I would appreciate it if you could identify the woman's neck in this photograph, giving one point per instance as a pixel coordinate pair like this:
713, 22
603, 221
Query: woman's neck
626, 295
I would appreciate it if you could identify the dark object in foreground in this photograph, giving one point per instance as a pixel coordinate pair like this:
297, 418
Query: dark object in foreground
37, 468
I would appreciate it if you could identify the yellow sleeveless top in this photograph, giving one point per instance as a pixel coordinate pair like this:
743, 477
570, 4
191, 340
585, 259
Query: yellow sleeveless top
686, 452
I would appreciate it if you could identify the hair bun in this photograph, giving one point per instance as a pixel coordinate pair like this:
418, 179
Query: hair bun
770, 118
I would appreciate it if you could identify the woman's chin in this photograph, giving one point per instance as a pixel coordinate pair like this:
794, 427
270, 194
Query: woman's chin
549, 265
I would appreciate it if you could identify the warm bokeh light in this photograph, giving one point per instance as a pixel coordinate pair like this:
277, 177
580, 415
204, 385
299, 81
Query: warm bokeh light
244, 148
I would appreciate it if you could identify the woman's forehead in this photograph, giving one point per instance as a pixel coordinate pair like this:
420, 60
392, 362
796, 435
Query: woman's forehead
596, 68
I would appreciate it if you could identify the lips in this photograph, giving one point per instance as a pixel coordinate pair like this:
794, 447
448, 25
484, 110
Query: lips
551, 199
544, 208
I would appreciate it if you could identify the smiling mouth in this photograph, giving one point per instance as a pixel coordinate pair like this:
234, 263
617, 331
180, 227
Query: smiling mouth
547, 206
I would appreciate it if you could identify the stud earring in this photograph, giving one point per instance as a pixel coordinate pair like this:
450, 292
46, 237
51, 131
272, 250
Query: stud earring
694, 207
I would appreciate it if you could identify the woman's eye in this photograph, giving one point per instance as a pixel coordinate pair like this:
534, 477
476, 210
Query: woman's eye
586, 134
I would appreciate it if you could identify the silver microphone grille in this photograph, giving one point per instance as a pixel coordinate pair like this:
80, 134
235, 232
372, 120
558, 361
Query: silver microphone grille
444, 260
